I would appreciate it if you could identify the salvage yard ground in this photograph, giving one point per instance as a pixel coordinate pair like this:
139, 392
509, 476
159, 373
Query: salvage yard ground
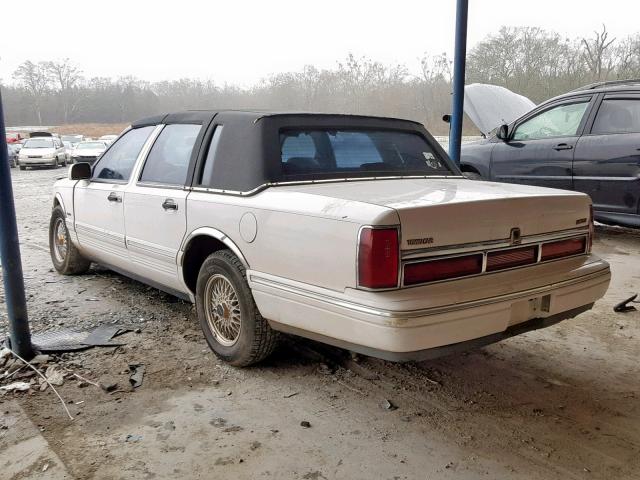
558, 403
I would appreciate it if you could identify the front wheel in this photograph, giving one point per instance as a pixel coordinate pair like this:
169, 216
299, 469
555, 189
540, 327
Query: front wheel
230, 320
66, 258
22, 167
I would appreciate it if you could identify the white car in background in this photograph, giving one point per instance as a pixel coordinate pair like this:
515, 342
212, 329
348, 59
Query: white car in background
108, 139
88, 151
42, 151
355, 231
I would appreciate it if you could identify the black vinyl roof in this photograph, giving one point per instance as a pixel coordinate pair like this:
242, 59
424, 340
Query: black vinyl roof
248, 154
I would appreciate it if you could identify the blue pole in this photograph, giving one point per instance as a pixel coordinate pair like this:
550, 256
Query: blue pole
19, 333
455, 132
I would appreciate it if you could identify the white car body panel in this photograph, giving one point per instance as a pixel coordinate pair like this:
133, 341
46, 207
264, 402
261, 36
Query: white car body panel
299, 244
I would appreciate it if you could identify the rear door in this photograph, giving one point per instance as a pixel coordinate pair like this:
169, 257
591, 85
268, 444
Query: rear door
607, 158
155, 207
99, 202
540, 149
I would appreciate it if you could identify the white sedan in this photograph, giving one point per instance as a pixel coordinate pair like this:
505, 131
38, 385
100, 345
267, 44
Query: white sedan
354, 231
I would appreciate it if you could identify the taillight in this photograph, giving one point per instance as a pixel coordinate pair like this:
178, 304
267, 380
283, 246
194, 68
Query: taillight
514, 257
592, 229
378, 258
430, 271
563, 248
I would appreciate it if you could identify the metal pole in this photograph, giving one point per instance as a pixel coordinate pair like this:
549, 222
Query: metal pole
455, 133
15, 300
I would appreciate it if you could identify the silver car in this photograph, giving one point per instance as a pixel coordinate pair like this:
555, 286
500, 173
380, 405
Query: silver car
42, 151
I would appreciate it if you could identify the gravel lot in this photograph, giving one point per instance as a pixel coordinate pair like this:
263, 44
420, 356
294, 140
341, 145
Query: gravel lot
559, 403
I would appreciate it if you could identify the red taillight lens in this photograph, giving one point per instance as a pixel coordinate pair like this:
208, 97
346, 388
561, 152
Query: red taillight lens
563, 248
515, 257
423, 272
378, 258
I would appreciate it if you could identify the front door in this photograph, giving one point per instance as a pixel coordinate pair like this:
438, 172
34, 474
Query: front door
99, 202
540, 149
607, 159
155, 210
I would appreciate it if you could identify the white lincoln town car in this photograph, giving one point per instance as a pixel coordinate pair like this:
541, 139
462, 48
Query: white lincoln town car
354, 231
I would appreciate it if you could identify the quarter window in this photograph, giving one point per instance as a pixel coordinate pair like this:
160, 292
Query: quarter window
207, 172
168, 160
560, 121
117, 162
618, 116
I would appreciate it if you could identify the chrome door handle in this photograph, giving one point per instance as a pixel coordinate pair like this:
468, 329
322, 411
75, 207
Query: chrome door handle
114, 197
170, 204
562, 146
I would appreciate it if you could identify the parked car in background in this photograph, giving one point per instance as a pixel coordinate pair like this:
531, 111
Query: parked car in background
42, 151
68, 150
88, 151
587, 140
12, 155
13, 137
355, 231
74, 139
108, 139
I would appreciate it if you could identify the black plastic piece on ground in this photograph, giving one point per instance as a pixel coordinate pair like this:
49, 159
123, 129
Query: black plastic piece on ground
624, 307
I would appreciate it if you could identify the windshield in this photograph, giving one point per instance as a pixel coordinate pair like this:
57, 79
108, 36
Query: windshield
324, 153
91, 146
39, 143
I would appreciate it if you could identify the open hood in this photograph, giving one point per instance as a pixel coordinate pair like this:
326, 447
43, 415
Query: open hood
489, 106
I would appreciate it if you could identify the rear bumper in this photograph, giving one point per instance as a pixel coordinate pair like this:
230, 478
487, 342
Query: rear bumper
414, 332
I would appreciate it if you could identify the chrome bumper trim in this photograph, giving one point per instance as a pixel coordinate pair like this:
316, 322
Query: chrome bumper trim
408, 314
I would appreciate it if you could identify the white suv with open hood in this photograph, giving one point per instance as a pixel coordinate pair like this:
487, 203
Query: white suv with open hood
355, 231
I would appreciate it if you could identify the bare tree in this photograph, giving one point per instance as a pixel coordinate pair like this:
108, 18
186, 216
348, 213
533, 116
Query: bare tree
66, 76
597, 53
36, 80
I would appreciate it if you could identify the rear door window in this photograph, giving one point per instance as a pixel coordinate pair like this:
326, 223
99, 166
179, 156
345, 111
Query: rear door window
617, 115
168, 160
117, 163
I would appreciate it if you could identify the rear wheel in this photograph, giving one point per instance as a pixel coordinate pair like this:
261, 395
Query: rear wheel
66, 258
22, 167
230, 320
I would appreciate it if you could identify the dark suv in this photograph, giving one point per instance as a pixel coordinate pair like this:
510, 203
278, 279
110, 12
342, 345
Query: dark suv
586, 140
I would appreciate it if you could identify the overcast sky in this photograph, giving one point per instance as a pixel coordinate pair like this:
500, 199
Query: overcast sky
242, 41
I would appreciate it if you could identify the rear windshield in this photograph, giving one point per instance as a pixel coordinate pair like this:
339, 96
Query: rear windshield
91, 146
329, 153
39, 143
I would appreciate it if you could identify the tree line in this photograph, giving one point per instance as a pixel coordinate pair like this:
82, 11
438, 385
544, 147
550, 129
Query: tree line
529, 60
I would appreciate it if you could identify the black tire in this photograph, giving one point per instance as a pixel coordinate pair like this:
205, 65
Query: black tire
72, 262
255, 339
472, 175
22, 167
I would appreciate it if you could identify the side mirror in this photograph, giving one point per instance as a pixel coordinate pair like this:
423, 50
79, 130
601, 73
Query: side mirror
446, 118
80, 171
503, 132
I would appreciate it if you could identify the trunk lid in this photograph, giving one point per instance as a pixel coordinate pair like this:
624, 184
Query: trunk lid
448, 212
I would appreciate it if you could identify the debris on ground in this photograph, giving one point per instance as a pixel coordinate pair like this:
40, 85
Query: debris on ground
68, 340
624, 306
16, 387
305, 424
388, 405
137, 374
54, 375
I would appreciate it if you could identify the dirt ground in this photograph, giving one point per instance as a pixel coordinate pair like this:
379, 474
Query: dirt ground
560, 403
